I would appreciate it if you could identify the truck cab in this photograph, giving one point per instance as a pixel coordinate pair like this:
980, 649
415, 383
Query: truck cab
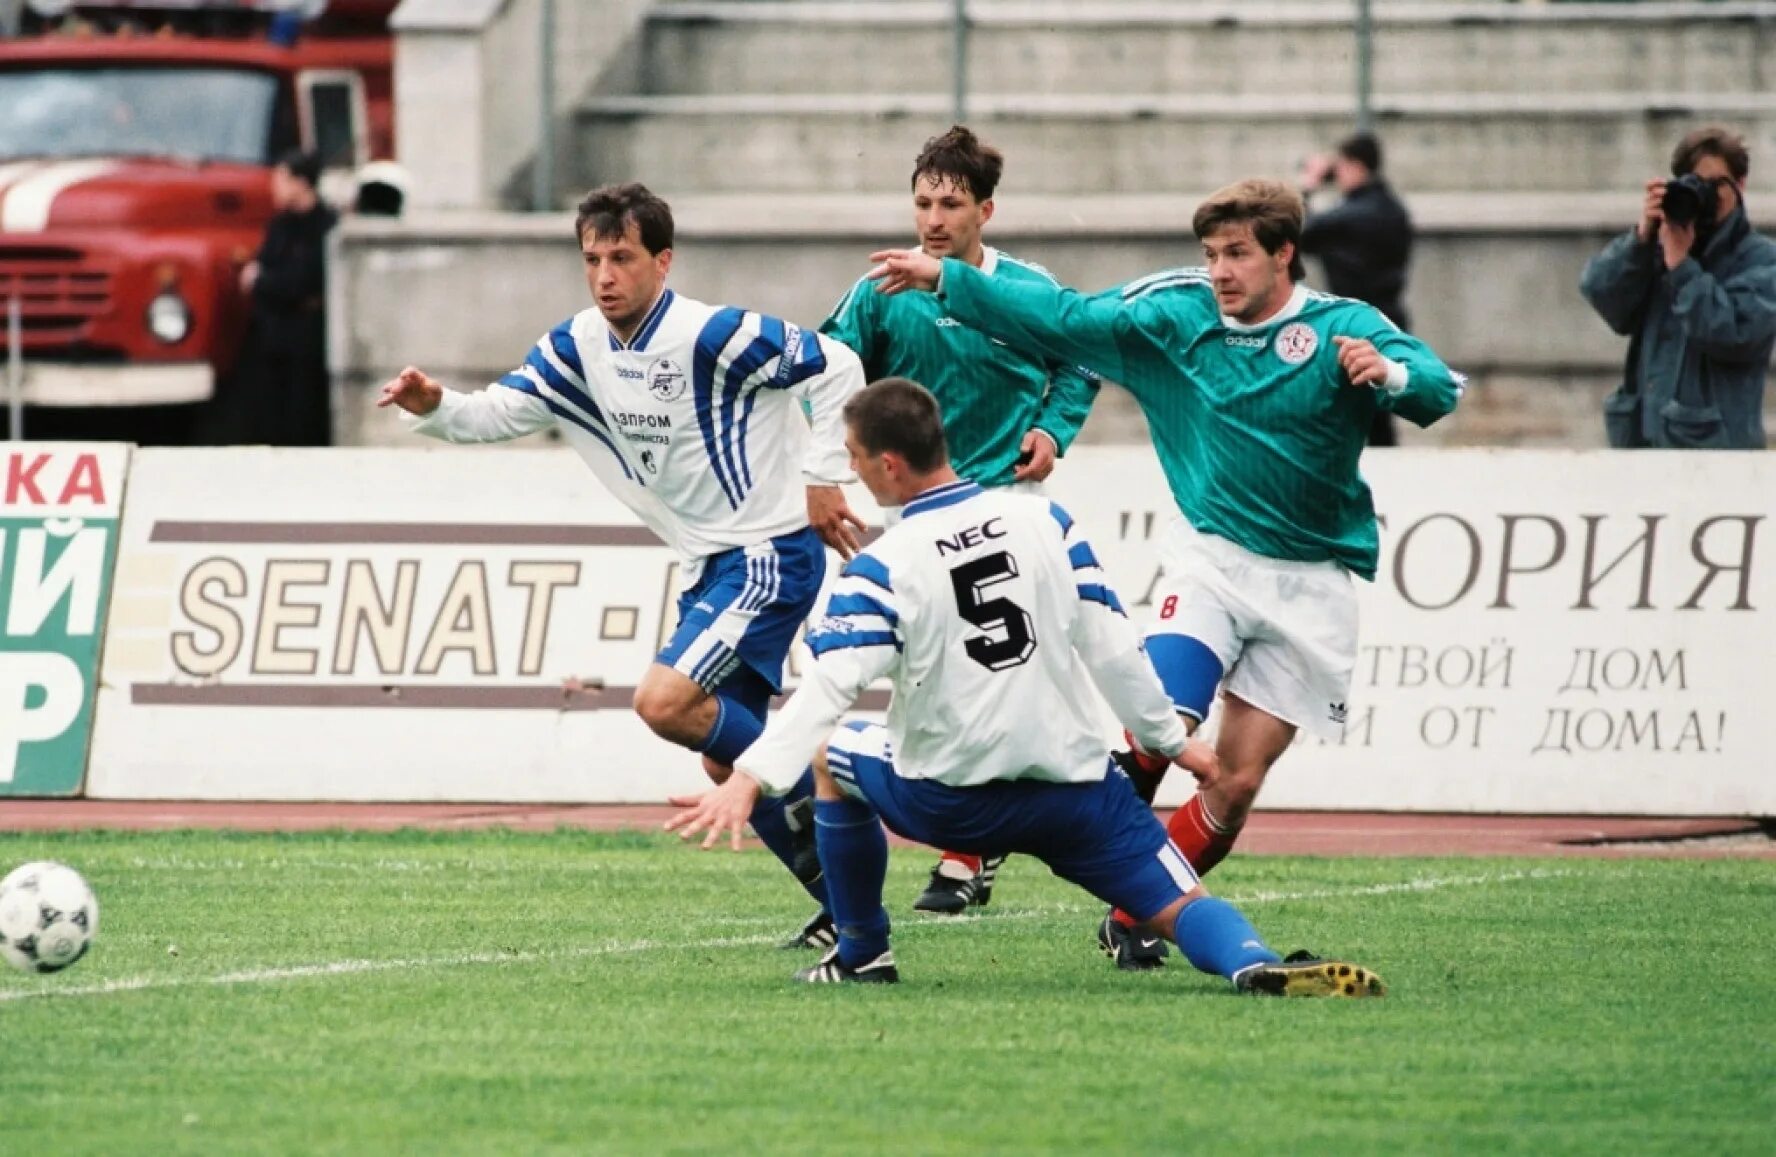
136, 148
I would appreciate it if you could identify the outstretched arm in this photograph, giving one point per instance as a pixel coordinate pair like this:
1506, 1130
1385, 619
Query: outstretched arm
497, 413
1048, 321
857, 642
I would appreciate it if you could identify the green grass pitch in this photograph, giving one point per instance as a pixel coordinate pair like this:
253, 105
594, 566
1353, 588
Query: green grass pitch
580, 993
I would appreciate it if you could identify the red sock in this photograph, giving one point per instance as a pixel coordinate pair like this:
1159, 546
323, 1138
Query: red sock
1204, 841
1199, 836
972, 863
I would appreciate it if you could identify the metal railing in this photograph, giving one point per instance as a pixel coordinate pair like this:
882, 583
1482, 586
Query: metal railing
959, 62
15, 369
1364, 32
542, 169
542, 172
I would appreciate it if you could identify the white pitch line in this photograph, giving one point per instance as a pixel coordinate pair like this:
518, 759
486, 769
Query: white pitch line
470, 959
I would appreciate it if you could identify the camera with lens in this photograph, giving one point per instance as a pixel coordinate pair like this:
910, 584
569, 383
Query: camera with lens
1689, 199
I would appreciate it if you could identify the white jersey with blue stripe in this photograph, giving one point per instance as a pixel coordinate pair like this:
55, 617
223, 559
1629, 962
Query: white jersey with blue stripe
990, 613
695, 423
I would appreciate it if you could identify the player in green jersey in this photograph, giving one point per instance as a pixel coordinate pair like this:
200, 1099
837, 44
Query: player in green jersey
1007, 414
1259, 393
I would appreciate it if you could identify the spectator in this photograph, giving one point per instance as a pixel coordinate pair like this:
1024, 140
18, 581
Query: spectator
278, 393
1365, 241
1694, 290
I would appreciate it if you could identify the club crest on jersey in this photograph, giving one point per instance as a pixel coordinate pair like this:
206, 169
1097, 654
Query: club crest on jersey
666, 381
1297, 342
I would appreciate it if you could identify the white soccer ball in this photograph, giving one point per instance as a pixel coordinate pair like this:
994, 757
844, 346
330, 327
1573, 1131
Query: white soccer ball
48, 917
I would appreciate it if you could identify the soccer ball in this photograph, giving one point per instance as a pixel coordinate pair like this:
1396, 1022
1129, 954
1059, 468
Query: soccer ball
48, 917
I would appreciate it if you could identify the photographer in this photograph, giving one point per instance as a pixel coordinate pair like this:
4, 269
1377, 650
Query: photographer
1364, 241
1694, 290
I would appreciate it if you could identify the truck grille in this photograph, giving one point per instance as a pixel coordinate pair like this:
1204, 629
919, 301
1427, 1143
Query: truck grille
59, 290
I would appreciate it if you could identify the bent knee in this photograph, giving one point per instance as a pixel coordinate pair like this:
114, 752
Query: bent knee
655, 709
1238, 786
666, 699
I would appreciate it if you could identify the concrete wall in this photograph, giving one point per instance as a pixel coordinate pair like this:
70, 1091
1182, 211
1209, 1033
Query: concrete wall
1207, 49
1074, 144
468, 94
464, 296
1087, 96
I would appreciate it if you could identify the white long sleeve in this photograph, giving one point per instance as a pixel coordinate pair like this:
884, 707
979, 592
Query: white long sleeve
827, 461
1111, 648
857, 642
778, 758
494, 414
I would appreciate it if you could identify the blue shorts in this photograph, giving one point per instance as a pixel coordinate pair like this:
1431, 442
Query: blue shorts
746, 607
1098, 835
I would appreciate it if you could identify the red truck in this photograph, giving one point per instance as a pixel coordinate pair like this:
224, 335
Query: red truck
136, 148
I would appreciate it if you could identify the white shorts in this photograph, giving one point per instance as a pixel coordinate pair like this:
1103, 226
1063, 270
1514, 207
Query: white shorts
1285, 632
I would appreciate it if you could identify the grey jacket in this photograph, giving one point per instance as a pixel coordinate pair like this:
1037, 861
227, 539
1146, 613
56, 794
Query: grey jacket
1701, 337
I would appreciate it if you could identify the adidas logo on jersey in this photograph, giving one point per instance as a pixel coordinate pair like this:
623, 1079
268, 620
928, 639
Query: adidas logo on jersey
1246, 343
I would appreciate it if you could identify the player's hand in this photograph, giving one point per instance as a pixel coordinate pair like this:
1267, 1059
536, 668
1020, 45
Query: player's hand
1675, 241
249, 276
724, 809
1361, 362
1200, 760
1652, 211
898, 270
1039, 449
833, 521
412, 391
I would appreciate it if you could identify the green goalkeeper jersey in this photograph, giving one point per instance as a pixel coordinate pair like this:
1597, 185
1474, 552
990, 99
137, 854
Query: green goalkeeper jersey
1257, 428
990, 394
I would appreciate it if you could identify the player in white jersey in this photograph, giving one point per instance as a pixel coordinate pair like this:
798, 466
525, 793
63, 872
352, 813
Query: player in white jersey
691, 414
987, 609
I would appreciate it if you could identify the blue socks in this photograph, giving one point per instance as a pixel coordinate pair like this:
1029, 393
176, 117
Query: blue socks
777, 821
854, 852
1217, 939
734, 731
785, 825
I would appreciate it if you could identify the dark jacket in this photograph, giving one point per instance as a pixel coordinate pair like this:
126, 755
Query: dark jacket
279, 391
1365, 243
288, 298
1701, 337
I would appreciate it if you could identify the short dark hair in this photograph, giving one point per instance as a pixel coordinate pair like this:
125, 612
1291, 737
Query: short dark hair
960, 158
304, 165
608, 210
899, 415
1364, 149
1273, 209
1712, 141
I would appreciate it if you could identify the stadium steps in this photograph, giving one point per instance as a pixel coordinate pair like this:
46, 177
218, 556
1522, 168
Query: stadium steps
1105, 143
882, 217
1212, 47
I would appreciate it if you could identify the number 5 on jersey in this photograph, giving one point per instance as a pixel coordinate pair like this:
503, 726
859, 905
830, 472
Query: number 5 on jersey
1010, 638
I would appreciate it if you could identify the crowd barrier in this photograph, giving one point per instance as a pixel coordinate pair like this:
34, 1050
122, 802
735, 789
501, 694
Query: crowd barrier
1550, 632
